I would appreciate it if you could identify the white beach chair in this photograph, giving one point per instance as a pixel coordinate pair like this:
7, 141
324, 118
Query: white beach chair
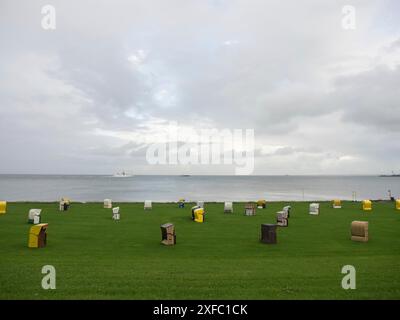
282, 218
147, 205
314, 209
116, 215
228, 207
64, 204
34, 216
107, 203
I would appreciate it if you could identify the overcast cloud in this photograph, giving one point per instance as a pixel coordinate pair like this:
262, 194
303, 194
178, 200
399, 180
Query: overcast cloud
89, 97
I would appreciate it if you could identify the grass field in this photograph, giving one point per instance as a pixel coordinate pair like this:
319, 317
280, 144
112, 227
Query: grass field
98, 258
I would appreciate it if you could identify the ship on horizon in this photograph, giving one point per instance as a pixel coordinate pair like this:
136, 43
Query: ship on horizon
122, 174
390, 175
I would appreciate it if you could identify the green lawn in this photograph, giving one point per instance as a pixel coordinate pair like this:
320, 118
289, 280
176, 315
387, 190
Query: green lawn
98, 258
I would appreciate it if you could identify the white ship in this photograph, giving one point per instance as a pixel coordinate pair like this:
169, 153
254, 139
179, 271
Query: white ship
122, 174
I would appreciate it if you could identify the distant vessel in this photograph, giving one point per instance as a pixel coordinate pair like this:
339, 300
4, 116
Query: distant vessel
390, 175
122, 174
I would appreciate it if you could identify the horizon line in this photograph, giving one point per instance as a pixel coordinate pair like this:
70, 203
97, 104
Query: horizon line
198, 175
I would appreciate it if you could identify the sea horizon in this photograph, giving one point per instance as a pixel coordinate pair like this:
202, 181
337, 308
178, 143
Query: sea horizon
212, 188
206, 175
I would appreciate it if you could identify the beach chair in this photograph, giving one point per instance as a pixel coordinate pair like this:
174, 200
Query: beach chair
261, 204
64, 204
34, 216
3, 207
115, 212
314, 209
359, 231
38, 236
268, 233
199, 215
250, 209
228, 207
367, 205
107, 204
397, 204
148, 205
168, 236
287, 209
282, 219
337, 204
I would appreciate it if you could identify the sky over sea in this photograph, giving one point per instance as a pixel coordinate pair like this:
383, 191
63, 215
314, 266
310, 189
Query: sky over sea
92, 95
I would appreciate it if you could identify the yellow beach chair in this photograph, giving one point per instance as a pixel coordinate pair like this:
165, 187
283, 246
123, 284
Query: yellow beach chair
261, 204
337, 204
38, 236
3, 207
367, 205
199, 215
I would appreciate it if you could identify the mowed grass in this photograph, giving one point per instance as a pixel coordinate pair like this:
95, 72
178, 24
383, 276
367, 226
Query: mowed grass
98, 258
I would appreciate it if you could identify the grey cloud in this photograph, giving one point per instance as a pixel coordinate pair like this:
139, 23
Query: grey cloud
371, 98
266, 65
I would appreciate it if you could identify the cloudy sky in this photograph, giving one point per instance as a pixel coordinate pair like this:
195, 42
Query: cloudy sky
92, 95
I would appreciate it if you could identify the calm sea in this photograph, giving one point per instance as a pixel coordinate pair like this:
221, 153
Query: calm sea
208, 188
